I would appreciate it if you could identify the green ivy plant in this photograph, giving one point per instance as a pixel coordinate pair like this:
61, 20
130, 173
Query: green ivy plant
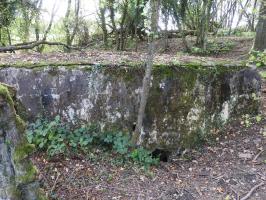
248, 120
257, 58
57, 138
143, 157
48, 136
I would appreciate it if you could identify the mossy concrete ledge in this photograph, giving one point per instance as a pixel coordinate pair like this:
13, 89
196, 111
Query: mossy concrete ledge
17, 173
187, 102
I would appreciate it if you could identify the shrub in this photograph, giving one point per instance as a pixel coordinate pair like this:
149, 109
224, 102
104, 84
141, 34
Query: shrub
214, 47
143, 157
55, 137
258, 58
48, 136
239, 32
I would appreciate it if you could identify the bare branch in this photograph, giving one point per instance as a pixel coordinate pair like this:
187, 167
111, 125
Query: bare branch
31, 45
251, 191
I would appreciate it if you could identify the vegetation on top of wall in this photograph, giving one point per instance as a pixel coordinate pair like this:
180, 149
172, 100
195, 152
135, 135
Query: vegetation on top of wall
88, 66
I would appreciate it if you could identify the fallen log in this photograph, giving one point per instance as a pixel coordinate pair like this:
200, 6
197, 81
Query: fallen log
31, 45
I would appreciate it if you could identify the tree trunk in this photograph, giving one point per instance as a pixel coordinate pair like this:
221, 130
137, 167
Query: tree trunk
112, 18
136, 22
1, 42
103, 23
241, 12
66, 23
120, 45
76, 26
9, 36
1, 37
202, 29
41, 48
254, 15
138, 133
166, 42
37, 23
204, 24
25, 24
260, 40
232, 17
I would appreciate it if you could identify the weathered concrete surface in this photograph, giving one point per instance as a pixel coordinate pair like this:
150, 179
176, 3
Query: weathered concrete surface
17, 174
185, 103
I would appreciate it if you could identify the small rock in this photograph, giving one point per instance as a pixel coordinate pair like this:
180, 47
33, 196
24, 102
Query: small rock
245, 155
204, 172
233, 181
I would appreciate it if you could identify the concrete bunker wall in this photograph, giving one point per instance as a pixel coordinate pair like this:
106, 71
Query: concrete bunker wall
185, 102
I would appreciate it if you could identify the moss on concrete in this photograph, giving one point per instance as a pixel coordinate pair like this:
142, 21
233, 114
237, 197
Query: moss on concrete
14, 192
41, 195
20, 124
4, 92
22, 151
20, 108
30, 173
25, 172
192, 139
77, 64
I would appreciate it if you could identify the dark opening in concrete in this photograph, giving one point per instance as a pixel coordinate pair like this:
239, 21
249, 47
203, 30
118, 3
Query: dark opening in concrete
161, 154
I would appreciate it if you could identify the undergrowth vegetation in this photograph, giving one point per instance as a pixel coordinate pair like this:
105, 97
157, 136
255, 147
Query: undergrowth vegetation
258, 58
238, 32
213, 48
57, 138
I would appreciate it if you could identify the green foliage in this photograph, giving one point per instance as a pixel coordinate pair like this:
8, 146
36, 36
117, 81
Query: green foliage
8, 9
118, 141
258, 58
55, 137
239, 32
82, 137
213, 47
143, 157
248, 120
263, 74
48, 136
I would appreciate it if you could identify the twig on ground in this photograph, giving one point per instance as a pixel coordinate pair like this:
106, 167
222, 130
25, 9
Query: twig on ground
236, 193
218, 177
256, 157
55, 182
164, 193
198, 191
251, 191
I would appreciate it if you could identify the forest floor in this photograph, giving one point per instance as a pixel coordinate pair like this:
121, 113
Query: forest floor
228, 169
173, 54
